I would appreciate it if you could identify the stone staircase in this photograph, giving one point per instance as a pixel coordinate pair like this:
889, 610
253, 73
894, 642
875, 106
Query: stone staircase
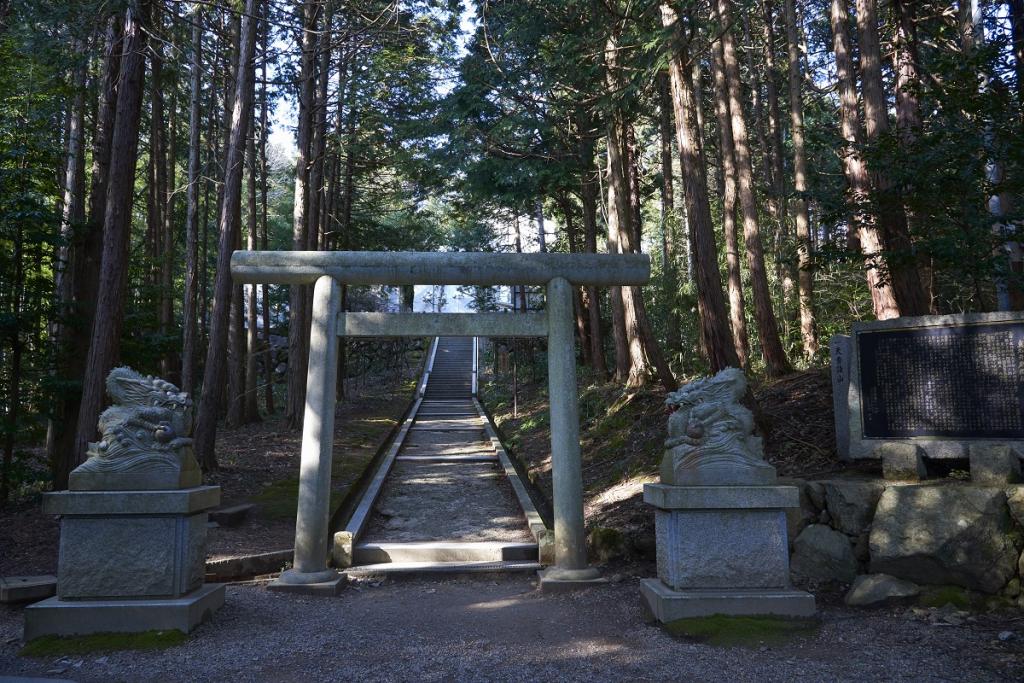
448, 504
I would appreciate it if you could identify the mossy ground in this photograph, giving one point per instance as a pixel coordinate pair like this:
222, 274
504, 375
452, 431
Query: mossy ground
940, 596
751, 631
55, 646
353, 451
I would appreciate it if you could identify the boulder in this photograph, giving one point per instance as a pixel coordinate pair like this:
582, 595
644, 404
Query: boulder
816, 491
873, 589
994, 465
852, 504
958, 535
823, 554
1015, 499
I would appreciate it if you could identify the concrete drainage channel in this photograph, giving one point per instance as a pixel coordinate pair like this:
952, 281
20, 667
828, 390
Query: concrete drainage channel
445, 498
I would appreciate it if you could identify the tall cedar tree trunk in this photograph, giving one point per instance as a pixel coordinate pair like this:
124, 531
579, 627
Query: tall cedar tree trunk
908, 113
319, 142
105, 343
673, 337
63, 330
618, 314
213, 377
268, 359
892, 219
714, 325
777, 203
169, 363
189, 316
734, 277
572, 238
774, 356
89, 250
1017, 37
234, 406
645, 353
588, 200
298, 341
882, 297
13, 388
251, 408
805, 279
618, 211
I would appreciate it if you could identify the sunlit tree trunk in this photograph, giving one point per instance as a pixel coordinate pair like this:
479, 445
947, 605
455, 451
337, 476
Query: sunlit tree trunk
734, 278
764, 314
861, 221
805, 276
892, 219
714, 326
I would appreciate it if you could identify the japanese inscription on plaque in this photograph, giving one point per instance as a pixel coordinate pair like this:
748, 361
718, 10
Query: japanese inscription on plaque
964, 381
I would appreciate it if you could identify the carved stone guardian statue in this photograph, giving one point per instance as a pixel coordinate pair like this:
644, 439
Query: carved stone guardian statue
711, 438
145, 443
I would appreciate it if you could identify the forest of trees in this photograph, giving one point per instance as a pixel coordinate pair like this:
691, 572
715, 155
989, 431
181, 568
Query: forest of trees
791, 166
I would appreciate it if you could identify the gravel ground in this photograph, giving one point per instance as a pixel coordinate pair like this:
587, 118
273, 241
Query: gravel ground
502, 629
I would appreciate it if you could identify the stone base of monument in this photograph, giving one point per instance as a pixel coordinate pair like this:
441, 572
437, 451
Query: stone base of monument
555, 580
56, 617
722, 550
665, 605
129, 561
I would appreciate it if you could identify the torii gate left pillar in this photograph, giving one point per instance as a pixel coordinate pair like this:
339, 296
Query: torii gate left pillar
558, 272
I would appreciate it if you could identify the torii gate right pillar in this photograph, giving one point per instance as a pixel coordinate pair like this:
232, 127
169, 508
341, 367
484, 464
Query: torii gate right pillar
570, 570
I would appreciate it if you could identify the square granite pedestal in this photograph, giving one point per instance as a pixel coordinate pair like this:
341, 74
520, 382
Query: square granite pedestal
722, 550
130, 561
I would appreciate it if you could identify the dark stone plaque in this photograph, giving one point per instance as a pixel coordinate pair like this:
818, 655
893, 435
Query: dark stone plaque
963, 381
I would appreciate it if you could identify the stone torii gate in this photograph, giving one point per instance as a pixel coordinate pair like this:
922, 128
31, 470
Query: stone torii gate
330, 269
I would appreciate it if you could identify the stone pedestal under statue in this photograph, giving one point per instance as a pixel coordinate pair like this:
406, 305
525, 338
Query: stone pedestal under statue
133, 526
720, 522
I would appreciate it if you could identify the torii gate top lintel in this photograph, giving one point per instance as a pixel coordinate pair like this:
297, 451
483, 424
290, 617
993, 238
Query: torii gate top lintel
438, 268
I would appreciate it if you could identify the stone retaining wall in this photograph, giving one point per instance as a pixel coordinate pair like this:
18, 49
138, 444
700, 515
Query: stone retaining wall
934, 533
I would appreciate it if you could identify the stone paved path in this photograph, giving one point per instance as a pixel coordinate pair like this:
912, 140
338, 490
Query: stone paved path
447, 485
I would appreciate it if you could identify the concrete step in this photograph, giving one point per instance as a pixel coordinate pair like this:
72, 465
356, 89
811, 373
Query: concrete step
444, 551
468, 422
415, 568
432, 447
468, 457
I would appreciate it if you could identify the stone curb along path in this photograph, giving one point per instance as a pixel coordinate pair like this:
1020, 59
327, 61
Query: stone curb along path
445, 498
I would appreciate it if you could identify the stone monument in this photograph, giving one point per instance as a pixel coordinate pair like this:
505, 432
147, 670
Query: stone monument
720, 522
133, 522
949, 386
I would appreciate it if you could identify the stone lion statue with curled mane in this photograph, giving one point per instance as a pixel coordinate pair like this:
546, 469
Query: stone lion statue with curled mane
145, 441
711, 438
